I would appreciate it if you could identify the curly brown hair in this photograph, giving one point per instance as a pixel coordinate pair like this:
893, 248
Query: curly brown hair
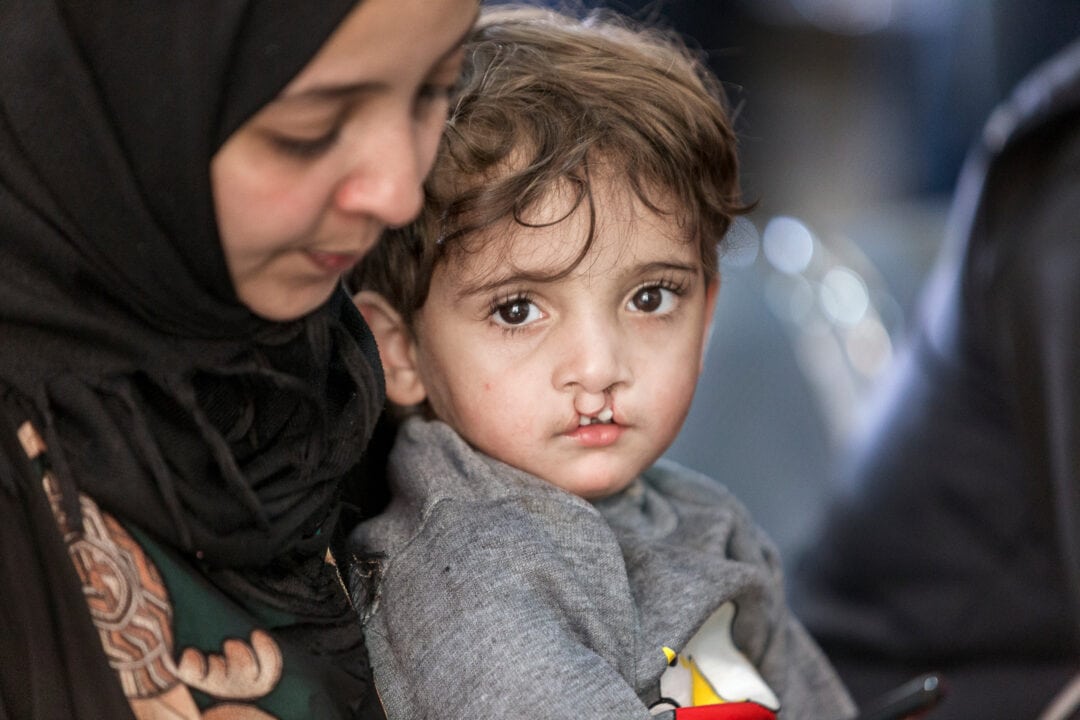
545, 99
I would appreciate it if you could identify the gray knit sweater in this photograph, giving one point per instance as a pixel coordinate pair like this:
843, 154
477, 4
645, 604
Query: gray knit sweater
498, 595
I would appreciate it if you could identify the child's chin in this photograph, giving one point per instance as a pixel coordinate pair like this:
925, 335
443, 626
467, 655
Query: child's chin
593, 486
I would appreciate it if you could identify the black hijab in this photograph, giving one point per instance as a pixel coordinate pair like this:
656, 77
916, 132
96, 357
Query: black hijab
224, 436
161, 395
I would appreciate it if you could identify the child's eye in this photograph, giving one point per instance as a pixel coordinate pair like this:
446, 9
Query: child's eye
515, 312
654, 299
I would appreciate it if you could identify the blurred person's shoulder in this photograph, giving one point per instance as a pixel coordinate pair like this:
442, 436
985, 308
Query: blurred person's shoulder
1047, 93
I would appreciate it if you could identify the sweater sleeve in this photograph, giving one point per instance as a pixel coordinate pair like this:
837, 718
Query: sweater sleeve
790, 660
714, 555
808, 685
484, 614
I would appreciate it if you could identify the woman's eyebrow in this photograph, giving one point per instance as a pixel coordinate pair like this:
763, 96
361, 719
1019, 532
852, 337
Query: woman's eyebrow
333, 91
337, 91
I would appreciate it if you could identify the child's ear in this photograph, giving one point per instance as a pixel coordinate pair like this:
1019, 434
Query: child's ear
397, 350
711, 291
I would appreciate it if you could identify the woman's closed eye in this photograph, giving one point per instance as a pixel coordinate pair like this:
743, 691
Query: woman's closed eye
304, 147
435, 96
442, 85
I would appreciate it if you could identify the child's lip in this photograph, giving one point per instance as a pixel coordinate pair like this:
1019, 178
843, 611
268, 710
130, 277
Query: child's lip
597, 434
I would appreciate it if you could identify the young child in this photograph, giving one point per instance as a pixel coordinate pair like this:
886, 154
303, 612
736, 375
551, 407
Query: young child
547, 316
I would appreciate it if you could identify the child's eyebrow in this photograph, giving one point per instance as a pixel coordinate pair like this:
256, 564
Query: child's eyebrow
661, 265
495, 280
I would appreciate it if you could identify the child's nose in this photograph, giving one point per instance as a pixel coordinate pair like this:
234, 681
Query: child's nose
593, 360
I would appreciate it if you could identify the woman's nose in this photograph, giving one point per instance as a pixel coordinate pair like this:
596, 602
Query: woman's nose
385, 179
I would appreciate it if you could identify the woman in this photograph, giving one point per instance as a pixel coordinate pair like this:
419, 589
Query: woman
183, 386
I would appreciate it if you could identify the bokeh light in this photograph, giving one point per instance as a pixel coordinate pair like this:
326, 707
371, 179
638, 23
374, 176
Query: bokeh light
788, 244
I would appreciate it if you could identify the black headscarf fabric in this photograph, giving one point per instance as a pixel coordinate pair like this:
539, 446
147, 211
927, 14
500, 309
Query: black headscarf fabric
224, 436
162, 396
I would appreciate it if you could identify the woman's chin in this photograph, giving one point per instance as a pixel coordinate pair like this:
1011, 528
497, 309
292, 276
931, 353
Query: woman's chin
285, 305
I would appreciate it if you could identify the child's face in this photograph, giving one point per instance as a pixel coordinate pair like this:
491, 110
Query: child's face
515, 364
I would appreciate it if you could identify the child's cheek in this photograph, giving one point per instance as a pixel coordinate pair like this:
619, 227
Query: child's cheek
509, 407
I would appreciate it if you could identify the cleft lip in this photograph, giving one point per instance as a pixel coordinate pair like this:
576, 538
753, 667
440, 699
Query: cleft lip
605, 416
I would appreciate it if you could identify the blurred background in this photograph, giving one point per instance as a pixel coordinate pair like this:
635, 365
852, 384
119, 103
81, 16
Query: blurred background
854, 118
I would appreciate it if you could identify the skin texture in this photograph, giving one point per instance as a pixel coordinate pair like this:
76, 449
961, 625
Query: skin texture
514, 363
303, 189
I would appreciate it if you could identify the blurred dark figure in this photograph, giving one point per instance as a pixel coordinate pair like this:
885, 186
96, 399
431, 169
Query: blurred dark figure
956, 545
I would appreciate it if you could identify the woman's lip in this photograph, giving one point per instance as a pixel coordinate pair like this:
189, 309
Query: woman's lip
334, 262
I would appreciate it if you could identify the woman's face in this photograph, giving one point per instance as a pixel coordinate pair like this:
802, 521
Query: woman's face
306, 186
